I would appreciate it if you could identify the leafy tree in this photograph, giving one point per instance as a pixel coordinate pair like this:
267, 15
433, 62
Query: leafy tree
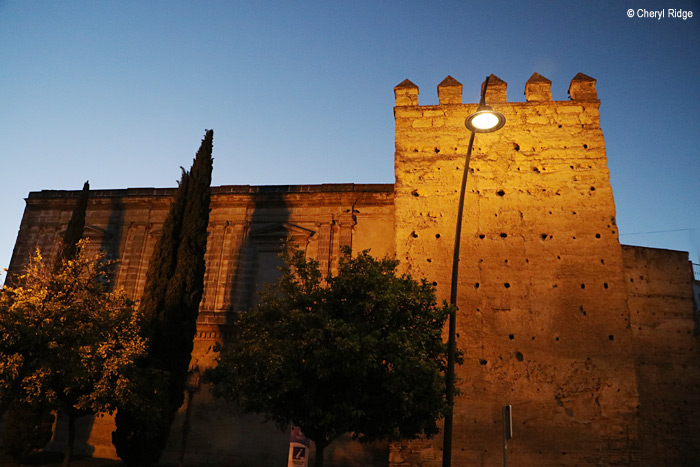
66, 341
170, 303
67, 247
29, 425
358, 353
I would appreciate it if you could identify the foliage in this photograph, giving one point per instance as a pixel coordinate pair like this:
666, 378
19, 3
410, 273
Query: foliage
66, 341
186, 286
360, 353
27, 428
170, 303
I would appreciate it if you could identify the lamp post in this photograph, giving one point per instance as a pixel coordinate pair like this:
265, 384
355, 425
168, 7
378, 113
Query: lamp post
484, 120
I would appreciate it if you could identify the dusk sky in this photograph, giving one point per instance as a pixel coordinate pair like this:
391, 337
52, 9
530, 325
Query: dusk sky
120, 92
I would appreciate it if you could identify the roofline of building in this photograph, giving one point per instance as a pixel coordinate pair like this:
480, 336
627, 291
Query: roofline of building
221, 190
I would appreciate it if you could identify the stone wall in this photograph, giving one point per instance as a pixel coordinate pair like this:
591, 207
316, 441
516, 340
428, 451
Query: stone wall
667, 354
543, 318
591, 342
246, 229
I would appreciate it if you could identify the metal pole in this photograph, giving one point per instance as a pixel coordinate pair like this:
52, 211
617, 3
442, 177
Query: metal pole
507, 431
452, 332
452, 336
505, 436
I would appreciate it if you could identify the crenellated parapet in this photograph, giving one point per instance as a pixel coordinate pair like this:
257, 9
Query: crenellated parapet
537, 89
406, 93
496, 92
449, 91
543, 319
582, 88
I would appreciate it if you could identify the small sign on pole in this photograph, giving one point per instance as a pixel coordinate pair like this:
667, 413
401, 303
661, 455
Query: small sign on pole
298, 449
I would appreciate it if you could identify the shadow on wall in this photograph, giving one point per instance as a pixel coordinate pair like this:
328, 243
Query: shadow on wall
83, 432
258, 258
222, 434
112, 238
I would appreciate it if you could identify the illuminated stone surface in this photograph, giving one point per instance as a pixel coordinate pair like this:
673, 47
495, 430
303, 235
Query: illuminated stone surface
591, 342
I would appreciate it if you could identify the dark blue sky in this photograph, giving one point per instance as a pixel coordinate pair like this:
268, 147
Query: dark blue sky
120, 92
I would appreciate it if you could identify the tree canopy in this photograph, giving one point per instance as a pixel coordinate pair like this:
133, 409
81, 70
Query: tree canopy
360, 352
66, 340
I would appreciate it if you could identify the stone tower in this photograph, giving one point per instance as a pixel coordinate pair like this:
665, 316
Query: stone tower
543, 319
595, 345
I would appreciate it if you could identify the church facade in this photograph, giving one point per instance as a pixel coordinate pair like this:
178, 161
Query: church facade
592, 343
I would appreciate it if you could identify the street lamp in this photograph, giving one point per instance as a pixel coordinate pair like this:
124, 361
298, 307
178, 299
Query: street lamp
484, 120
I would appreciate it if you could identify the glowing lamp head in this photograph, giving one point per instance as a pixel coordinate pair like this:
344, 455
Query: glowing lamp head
485, 120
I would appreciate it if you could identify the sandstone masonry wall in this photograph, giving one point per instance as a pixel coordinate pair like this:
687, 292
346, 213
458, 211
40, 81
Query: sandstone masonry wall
667, 354
543, 319
591, 342
246, 228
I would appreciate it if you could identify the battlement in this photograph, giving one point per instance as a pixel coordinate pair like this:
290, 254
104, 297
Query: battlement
537, 89
541, 288
591, 342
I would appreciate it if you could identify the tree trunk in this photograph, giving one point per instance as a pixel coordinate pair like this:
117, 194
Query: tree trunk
71, 440
319, 455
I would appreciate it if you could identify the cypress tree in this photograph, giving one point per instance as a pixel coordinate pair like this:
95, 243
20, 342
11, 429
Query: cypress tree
186, 285
170, 303
141, 434
75, 229
162, 264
